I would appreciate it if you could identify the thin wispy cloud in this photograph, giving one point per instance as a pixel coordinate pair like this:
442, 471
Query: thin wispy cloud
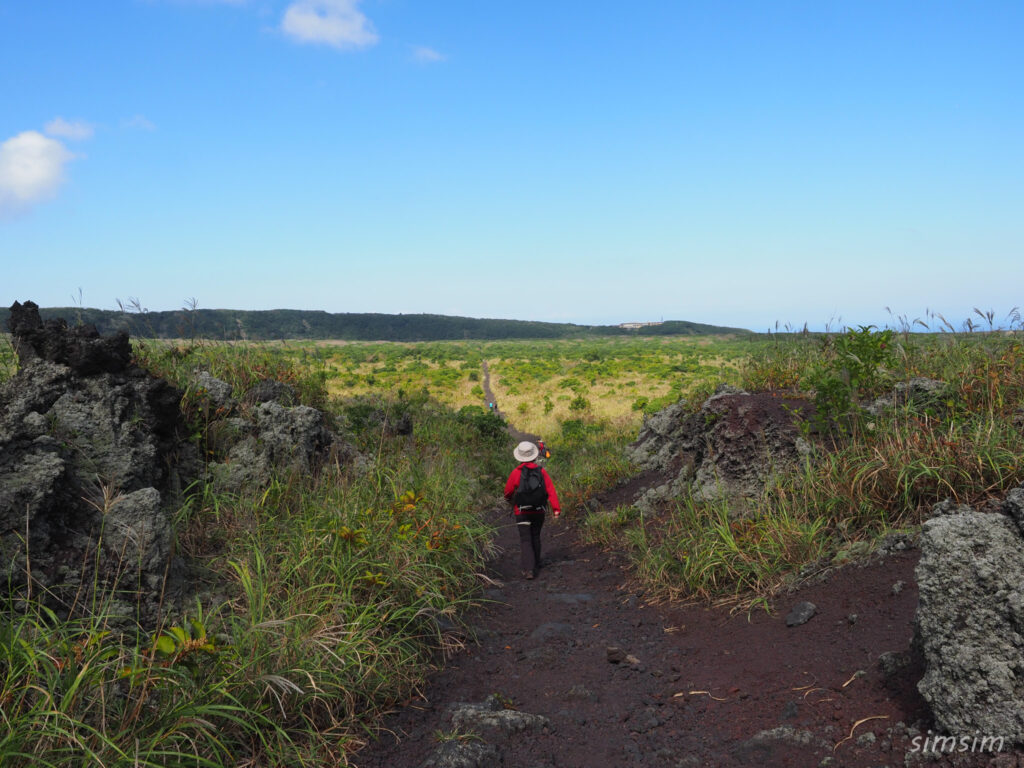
31, 170
427, 55
139, 123
75, 130
338, 23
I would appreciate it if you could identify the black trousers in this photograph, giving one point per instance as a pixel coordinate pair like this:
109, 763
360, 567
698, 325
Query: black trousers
529, 525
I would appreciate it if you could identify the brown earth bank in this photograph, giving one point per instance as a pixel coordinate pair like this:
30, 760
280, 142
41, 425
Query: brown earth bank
617, 680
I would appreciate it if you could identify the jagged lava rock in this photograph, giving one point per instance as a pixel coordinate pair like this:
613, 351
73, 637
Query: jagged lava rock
969, 621
91, 456
729, 448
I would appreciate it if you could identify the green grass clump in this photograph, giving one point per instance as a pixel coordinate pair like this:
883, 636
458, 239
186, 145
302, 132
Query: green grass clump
8, 358
701, 551
75, 694
587, 457
605, 527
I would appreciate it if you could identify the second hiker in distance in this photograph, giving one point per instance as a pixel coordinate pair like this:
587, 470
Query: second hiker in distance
531, 491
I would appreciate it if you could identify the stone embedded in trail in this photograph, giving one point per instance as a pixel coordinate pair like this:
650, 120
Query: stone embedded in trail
761, 748
615, 655
554, 630
493, 716
580, 693
892, 664
969, 619
646, 719
801, 613
464, 754
571, 599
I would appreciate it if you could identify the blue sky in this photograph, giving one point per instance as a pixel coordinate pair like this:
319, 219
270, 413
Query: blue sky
737, 163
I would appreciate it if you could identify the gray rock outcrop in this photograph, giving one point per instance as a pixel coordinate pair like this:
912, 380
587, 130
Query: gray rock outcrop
272, 391
728, 448
91, 460
970, 619
919, 393
272, 437
95, 456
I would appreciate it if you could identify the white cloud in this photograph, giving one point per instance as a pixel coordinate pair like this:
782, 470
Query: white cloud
140, 123
427, 55
338, 23
76, 130
31, 169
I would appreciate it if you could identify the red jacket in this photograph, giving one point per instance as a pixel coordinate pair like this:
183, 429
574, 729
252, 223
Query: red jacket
513, 483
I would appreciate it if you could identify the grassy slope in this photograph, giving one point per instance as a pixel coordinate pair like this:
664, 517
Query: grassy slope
870, 475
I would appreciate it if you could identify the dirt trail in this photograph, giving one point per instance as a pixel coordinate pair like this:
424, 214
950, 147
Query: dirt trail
517, 435
623, 682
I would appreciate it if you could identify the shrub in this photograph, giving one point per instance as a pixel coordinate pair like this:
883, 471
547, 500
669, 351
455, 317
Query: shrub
853, 365
579, 403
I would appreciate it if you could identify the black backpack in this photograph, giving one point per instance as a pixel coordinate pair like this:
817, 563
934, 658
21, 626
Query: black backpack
532, 492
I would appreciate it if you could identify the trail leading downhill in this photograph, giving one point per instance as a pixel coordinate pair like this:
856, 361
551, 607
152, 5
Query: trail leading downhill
576, 669
516, 434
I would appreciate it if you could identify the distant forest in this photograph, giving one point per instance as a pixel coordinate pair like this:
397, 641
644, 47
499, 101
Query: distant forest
275, 324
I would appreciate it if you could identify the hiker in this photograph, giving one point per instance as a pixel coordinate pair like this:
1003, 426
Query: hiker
543, 451
531, 491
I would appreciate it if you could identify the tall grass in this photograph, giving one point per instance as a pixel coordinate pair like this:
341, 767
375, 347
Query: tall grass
588, 457
701, 550
320, 601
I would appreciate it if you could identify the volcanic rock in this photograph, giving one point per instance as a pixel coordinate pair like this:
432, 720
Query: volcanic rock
91, 460
969, 620
729, 448
801, 613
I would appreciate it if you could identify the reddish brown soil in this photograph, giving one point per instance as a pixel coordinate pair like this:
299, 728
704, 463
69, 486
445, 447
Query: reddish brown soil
703, 684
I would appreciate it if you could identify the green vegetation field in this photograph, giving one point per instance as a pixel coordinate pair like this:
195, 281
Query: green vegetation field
327, 599
539, 385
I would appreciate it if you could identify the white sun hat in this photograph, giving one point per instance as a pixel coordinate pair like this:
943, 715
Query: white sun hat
526, 451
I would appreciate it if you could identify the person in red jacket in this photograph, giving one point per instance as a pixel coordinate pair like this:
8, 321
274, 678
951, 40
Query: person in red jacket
530, 497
